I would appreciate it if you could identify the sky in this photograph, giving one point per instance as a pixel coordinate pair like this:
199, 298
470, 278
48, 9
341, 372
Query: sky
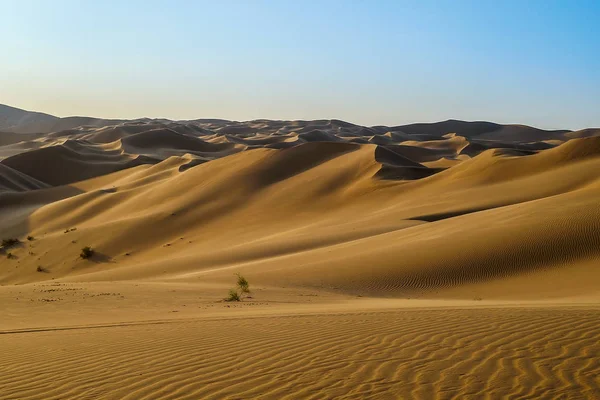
368, 62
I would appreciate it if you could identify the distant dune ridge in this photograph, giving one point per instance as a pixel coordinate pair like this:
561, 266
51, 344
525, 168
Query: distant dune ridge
335, 224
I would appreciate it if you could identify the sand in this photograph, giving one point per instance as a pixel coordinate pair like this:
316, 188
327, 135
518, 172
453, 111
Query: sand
431, 261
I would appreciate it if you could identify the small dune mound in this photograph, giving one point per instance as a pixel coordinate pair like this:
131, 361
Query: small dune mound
289, 162
380, 139
388, 156
193, 161
450, 146
64, 164
318, 135
504, 164
489, 166
477, 146
165, 139
257, 140
573, 150
237, 130
589, 132
93, 151
110, 134
78, 133
282, 145
359, 140
444, 163
398, 136
362, 131
13, 180
473, 149
8, 138
419, 154
396, 166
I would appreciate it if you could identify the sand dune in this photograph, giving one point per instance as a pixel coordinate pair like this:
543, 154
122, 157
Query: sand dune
69, 162
11, 179
583, 133
446, 260
168, 142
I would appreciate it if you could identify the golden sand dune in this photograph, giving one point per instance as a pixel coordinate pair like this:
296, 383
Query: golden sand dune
69, 162
447, 260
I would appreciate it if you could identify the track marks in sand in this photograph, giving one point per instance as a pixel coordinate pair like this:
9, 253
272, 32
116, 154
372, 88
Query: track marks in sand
419, 354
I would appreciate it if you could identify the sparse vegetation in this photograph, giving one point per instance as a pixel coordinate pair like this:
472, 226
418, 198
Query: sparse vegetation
242, 288
233, 295
41, 269
242, 284
86, 252
10, 256
30, 238
10, 242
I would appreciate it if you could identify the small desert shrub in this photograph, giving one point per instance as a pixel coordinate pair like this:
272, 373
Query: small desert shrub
86, 252
41, 269
242, 288
233, 295
30, 238
10, 256
242, 284
10, 242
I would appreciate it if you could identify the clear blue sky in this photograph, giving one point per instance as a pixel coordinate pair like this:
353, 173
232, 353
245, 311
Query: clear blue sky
368, 62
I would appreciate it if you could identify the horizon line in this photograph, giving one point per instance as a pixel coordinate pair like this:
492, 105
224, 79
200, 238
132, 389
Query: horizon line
298, 119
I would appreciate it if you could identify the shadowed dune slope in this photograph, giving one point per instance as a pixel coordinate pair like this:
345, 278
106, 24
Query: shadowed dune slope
12, 180
165, 139
69, 162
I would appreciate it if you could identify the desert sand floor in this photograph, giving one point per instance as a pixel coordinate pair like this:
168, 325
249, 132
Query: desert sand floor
179, 341
456, 260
